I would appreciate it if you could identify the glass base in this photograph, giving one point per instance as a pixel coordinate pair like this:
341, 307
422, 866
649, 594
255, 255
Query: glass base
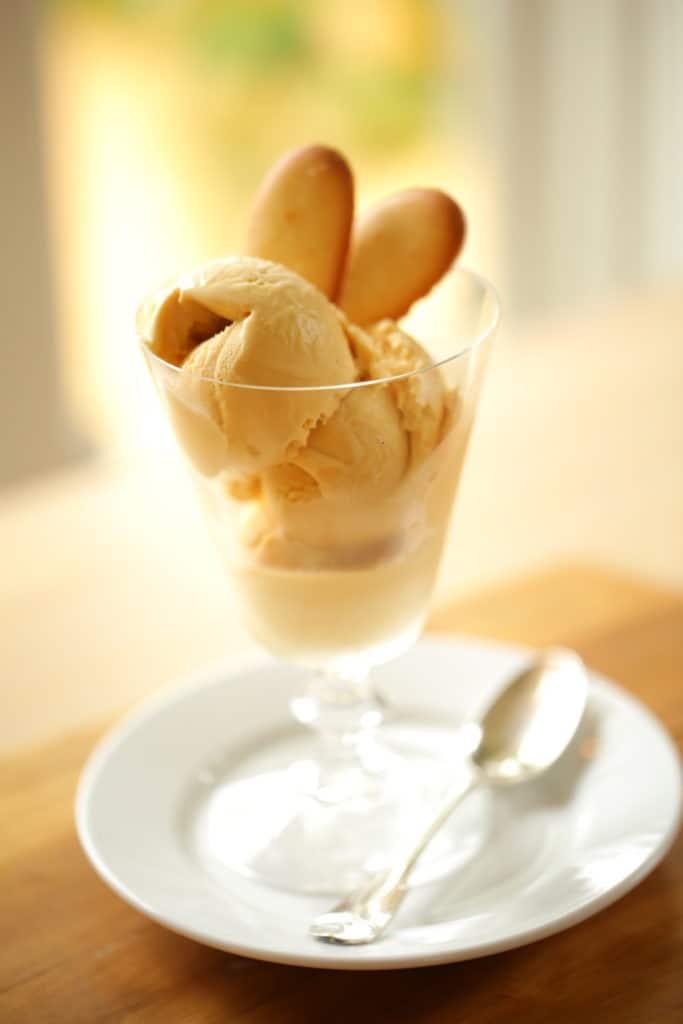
280, 817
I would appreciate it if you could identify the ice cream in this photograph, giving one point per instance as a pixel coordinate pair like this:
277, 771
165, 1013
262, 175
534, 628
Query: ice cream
326, 452
319, 457
385, 351
361, 467
320, 499
270, 329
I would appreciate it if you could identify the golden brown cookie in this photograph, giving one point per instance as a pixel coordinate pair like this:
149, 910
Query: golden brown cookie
302, 215
399, 250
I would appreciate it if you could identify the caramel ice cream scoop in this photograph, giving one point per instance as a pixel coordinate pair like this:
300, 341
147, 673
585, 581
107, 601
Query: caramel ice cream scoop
361, 451
386, 350
351, 488
275, 330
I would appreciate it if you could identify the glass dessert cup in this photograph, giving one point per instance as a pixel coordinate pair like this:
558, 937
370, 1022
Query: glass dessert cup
333, 554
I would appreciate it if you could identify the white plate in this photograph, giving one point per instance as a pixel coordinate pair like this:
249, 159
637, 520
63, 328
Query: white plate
559, 849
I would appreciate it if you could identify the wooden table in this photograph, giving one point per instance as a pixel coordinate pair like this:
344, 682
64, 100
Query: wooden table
73, 952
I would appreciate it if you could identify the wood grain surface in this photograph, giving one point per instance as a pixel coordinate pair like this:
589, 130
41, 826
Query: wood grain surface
71, 951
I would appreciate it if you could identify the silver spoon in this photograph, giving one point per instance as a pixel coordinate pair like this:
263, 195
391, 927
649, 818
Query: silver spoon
523, 732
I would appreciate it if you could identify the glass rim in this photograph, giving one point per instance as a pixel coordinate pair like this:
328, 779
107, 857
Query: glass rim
486, 286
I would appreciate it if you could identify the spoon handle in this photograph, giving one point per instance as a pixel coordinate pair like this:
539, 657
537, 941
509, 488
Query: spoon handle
364, 914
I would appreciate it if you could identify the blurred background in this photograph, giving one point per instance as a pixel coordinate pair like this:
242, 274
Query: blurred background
136, 132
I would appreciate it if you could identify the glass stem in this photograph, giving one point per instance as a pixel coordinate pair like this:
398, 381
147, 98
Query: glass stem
345, 712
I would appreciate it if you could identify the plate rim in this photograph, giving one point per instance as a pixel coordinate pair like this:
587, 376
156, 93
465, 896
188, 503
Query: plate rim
351, 958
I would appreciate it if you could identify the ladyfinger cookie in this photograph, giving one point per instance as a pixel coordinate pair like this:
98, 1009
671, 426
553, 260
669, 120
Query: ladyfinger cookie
302, 215
399, 250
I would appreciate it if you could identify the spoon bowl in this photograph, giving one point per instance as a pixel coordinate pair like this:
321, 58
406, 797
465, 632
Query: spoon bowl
530, 724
